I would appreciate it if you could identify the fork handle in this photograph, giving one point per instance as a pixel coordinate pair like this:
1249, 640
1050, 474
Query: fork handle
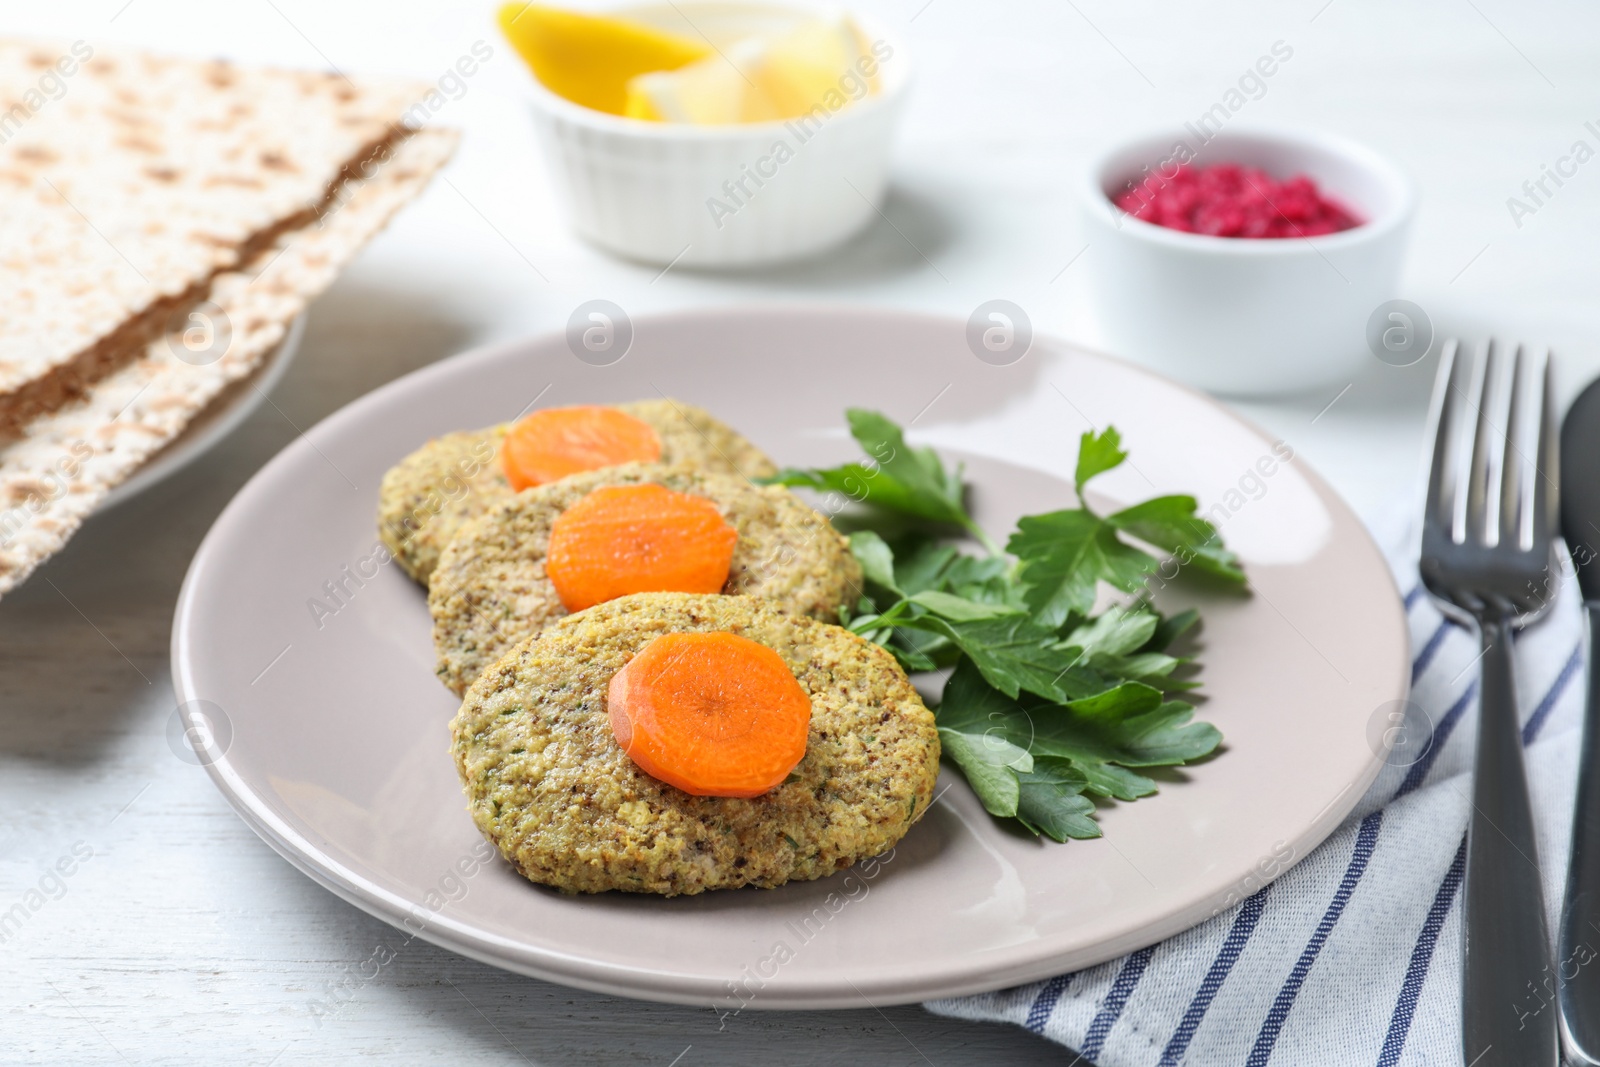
1580, 937
1508, 1015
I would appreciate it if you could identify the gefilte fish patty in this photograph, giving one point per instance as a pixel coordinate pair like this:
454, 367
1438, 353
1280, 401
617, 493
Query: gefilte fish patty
547, 782
490, 589
426, 497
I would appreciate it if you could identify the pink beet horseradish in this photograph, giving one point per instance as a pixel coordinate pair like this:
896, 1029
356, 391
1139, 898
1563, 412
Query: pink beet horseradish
1230, 200
1192, 275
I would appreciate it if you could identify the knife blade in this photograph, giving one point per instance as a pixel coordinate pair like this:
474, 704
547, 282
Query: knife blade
1578, 943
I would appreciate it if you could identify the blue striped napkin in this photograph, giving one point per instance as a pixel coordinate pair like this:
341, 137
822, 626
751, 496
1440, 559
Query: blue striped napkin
1354, 955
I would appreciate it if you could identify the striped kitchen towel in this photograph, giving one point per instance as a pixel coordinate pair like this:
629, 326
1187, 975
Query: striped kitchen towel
1354, 955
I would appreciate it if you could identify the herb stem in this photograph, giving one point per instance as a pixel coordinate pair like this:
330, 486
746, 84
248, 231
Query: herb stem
983, 538
890, 617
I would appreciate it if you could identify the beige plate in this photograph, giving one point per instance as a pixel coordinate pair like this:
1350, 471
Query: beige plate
327, 729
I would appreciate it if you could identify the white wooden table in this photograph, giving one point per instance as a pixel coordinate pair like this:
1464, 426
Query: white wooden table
183, 938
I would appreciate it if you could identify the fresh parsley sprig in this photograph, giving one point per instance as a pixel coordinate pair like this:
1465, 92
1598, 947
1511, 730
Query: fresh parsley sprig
1048, 703
911, 481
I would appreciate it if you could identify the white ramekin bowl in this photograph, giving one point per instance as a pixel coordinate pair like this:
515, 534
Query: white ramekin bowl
1239, 316
724, 196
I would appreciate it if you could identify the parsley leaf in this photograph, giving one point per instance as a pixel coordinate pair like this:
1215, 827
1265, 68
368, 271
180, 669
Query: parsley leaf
1050, 800
1097, 453
925, 566
1102, 736
1114, 632
931, 490
1120, 642
974, 736
959, 608
990, 763
1103, 748
1065, 554
1171, 628
877, 561
1171, 522
911, 481
1015, 655
1116, 704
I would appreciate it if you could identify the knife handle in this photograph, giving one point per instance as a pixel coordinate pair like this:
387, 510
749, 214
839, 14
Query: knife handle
1508, 1015
1578, 949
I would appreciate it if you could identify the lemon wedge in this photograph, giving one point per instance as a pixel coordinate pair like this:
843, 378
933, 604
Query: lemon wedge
819, 58
709, 92
589, 59
822, 63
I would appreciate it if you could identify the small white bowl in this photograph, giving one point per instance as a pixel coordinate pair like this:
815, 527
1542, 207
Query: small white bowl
1241, 316
725, 196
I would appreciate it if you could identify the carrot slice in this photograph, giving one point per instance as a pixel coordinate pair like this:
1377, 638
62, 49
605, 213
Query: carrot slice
548, 445
622, 539
714, 714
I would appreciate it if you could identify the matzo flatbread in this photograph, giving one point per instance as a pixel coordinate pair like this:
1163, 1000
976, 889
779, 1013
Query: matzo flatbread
52, 479
127, 180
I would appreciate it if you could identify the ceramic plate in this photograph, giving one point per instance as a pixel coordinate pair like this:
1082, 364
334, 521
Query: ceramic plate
307, 672
220, 418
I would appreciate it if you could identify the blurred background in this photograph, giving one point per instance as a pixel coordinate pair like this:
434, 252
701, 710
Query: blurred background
1473, 97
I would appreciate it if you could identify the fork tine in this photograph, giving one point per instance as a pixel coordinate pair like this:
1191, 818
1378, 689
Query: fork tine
1547, 472
1514, 461
1480, 465
1440, 509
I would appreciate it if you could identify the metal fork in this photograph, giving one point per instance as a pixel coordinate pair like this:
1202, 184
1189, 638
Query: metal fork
1488, 544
